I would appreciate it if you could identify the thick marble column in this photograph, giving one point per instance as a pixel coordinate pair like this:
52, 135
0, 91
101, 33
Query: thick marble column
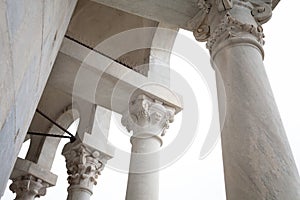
148, 120
84, 165
258, 162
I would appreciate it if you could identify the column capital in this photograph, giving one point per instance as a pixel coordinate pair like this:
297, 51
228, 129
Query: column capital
223, 20
28, 187
147, 116
230, 27
30, 180
84, 165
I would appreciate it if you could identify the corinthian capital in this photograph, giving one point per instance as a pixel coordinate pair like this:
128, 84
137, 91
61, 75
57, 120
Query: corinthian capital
226, 19
230, 27
84, 165
261, 10
28, 187
147, 116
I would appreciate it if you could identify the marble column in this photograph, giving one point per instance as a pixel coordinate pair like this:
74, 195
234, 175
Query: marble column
147, 119
258, 162
84, 165
28, 187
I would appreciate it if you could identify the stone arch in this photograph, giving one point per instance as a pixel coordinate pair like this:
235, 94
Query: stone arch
36, 167
42, 150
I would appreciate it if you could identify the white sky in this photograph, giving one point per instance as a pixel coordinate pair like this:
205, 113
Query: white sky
191, 178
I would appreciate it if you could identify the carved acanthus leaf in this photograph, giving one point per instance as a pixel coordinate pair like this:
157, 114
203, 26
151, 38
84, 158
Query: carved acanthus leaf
202, 33
84, 165
231, 27
147, 116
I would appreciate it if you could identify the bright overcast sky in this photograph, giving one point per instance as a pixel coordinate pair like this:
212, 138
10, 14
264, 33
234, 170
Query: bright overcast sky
191, 178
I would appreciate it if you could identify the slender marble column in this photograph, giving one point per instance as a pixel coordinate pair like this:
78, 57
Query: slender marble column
84, 165
28, 187
258, 162
148, 120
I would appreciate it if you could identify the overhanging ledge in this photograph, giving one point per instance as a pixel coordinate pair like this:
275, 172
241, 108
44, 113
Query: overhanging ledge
174, 12
84, 73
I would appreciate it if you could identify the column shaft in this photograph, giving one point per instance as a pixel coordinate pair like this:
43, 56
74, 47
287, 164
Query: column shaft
147, 119
136, 189
258, 162
78, 193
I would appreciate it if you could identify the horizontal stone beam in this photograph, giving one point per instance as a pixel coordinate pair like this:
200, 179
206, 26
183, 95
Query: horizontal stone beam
84, 73
174, 12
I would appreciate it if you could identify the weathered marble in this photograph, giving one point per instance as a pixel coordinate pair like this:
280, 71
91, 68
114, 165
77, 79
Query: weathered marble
30, 36
148, 119
28, 188
258, 162
87, 156
109, 84
30, 180
84, 165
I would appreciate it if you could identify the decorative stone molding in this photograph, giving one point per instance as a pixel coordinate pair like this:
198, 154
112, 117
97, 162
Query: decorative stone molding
262, 12
28, 187
201, 33
84, 165
224, 4
231, 27
209, 30
204, 5
30, 180
148, 116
